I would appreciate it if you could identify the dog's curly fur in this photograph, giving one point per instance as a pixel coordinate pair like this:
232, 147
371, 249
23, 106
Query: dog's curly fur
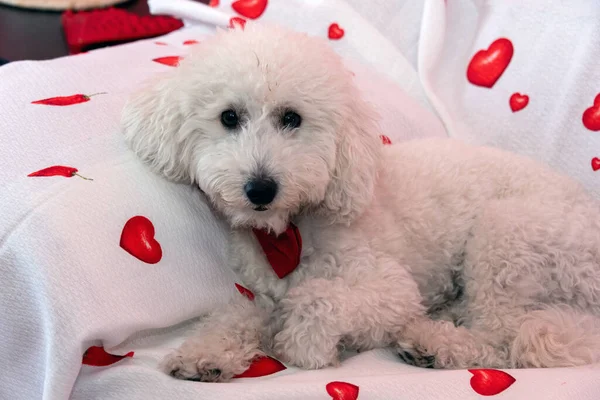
458, 256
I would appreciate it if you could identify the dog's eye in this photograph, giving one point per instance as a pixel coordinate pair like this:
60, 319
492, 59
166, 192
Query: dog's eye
291, 120
230, 119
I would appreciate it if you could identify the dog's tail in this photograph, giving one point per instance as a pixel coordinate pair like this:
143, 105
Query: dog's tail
556, 337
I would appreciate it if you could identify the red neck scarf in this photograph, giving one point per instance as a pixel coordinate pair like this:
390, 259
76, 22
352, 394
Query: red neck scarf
283, 251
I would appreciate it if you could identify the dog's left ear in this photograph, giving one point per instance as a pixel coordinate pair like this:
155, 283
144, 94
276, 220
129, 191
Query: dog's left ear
357, 160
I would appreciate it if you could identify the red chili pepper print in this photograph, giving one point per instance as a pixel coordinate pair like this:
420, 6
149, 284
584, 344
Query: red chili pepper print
171, 61
58, 170
66, 100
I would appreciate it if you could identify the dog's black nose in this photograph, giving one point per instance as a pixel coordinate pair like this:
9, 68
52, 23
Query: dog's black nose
261, 191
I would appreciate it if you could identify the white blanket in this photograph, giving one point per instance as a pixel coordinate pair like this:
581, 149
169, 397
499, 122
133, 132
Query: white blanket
68, 285
556, 53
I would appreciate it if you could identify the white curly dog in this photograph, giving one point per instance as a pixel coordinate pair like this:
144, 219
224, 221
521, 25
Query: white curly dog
457, 256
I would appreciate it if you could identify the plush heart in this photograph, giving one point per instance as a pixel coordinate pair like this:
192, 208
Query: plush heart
262, 366
245, 292
137, 238
342, 391
335, 32
518, 101
490, 382
213, 3
98, 357
591, 116
250, 8
595, 163
487, 66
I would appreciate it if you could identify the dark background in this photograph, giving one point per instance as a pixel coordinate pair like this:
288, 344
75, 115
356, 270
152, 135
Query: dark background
37, 35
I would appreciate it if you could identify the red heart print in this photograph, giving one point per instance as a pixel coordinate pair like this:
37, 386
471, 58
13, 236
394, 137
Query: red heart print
250, 8
237, 22
171, 61
487, 66
262, 366
335, 32
595, 163
591, 116
138, 240
160, 44
213, 3
518, 101
245, 292
190, 42
98, 357
385, 140
342, 390
490, 382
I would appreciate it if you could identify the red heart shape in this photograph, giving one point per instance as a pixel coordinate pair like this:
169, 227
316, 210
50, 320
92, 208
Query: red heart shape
137, 238
213, 3
171, 61
237, 22
490, 382
487, 66
385, 140
518, 101
591, 116
98, 357
250, 8
245, 292
190, 42
262, 366
595, 163
335, 32
342, 391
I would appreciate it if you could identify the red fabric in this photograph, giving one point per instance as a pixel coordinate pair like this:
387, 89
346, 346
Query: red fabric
283, 251
85, 29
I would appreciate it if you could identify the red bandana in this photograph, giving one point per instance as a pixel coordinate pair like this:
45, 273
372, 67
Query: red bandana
283, 251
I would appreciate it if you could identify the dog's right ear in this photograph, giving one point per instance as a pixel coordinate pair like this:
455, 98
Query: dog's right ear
154, 125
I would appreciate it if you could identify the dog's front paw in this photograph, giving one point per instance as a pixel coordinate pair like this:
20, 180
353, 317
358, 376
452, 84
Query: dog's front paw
194, 368
208, 361
305, 349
